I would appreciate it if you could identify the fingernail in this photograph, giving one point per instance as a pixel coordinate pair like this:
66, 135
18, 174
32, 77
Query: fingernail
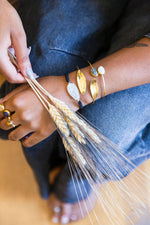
55, 220
29, 50
30, 73
64, 219
36, 76
73, 217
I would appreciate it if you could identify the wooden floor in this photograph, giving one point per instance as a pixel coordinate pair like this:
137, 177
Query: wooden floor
20, 203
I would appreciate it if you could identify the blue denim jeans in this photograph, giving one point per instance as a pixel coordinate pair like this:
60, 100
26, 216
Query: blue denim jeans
64, 34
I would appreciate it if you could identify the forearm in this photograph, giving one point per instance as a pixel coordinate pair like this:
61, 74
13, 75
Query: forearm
125, 69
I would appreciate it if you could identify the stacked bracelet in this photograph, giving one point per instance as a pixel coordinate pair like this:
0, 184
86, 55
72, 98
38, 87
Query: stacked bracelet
73, 91
101, 72
93, 85
94, 89
81, 81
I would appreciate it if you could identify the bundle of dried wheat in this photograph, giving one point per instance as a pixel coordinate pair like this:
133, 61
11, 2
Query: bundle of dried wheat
89, 152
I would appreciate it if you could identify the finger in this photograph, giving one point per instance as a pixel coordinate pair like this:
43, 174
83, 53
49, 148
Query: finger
18, 38
33, 139
1, 115
9, 70
9, 106
18, 133
3, 122
12, 93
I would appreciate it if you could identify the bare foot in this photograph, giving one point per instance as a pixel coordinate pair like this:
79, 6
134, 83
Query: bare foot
66, 212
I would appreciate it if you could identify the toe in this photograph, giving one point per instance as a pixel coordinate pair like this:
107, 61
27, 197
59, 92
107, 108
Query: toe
74, 218
56, 213
55, 219
55, 206
65, 213
64, 219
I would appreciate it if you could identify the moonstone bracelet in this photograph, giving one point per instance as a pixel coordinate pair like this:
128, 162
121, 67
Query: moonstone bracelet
73, 91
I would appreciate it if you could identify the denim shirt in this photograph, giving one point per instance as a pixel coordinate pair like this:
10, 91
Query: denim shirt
87, 29
67, 33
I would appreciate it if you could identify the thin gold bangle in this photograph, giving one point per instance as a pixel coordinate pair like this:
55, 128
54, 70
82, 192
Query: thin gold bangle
104, 86
93, 71
101, 72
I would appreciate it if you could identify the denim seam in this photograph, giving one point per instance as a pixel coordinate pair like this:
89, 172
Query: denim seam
73, 53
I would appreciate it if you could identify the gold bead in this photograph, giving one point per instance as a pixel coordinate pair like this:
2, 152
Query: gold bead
94, 71
10, 122
2, 107
6, 113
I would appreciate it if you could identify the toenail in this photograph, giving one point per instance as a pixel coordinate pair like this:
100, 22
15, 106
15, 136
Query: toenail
57, 209
73, 217
55, 220
64, 219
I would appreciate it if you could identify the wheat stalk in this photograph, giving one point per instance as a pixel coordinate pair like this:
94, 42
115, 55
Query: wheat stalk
68, 113
59, 120
77, 133
74, 150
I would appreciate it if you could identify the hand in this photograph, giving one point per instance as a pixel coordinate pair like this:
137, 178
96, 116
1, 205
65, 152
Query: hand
28, 115
12, 35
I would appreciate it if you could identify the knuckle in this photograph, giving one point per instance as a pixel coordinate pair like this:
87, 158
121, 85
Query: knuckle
24, 116
32, 125
43, 132
7, 74
10, 79
16, 102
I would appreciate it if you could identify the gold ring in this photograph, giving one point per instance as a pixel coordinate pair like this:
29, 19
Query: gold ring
2, 107
6, 113
10, 122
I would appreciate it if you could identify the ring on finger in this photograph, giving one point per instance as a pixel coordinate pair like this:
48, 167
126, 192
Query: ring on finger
10, 122
57, 209
6, 113
2, 107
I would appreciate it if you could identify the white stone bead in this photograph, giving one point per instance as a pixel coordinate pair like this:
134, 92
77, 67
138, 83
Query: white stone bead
94, 72
73, 91
101, 70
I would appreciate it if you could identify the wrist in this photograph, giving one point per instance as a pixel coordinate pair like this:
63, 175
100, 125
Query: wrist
57, 87
86, 98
